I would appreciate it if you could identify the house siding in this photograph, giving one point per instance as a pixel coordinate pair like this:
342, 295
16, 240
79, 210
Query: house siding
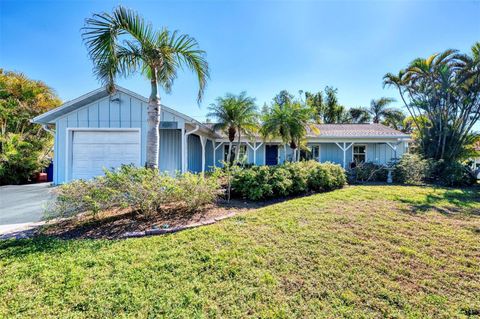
170, 157
194, 150
129, 112
208, 155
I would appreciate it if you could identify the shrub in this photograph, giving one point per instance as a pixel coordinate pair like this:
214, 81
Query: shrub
367, 172
411, 169
262, 182
142, 190
21, 158
253, 183
452, 173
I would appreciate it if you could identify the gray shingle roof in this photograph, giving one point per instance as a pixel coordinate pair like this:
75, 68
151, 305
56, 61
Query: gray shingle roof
349, 131
355, 130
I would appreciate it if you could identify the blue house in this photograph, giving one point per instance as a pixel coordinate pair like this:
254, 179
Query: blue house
99, 130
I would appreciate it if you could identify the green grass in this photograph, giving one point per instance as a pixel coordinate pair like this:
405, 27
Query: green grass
364, 251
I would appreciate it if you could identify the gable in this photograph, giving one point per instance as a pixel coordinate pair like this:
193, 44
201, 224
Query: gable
108, 110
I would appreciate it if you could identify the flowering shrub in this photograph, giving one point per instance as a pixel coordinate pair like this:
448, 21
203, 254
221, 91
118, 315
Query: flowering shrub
262, 182
142, 190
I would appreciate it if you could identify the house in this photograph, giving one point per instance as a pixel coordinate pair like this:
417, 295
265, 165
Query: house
99, 130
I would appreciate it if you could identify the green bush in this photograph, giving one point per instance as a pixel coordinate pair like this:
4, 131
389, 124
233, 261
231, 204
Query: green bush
20, 158
262, 182
367, 172
142, 190
411, 169
452, 173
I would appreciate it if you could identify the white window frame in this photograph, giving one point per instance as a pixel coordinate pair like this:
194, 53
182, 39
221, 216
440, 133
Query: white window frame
225, 147
353, 152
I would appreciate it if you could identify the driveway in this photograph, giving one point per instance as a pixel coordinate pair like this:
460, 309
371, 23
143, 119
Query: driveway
21, 204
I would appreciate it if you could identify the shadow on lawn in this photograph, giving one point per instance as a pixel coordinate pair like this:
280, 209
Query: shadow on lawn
18, 248
458, 201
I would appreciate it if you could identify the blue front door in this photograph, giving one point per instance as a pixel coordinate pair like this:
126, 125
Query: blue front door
271, 155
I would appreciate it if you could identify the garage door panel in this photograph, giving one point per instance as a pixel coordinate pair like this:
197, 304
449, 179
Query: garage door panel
92, 151
98, 137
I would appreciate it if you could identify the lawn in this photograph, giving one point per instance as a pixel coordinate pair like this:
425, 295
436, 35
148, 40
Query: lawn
363, 251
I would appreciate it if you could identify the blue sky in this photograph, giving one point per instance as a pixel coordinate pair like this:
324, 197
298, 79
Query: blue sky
259, 47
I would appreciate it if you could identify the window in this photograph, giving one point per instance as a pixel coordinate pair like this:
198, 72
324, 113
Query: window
242, 155
313, 153
359, 153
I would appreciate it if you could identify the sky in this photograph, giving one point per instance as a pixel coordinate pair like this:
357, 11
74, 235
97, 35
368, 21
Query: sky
260, 47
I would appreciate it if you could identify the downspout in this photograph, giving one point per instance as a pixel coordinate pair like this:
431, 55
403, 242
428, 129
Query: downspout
46, 129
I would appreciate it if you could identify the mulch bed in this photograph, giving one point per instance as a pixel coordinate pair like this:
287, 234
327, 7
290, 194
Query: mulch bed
124, 223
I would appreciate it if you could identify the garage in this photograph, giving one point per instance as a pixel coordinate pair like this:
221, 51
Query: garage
94, 150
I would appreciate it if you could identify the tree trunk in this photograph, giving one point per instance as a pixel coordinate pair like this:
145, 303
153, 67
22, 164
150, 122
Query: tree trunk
229, 154
153, 121
237, 151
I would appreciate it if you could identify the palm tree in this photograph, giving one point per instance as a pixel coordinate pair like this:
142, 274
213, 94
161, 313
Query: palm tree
234, 114
359, 115
378, 108
394, 119
122, 43
288, 122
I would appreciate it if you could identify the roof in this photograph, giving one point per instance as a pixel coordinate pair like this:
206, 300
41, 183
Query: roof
348, 131
356, 131
67, 107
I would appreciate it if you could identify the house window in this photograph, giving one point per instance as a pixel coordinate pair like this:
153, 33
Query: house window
315, 152
359, 153
312, 153
242, 155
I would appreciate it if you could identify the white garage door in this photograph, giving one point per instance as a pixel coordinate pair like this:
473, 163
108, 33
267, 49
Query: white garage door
94, 150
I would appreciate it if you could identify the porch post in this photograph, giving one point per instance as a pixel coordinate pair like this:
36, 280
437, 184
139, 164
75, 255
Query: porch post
214, 159
285, 152
255, 153
183, 141
203, 141
215, 147
344, 155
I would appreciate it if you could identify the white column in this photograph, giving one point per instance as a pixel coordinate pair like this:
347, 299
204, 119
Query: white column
184, 142
255, 153
285, 152
203, 141
214, 153
214, 159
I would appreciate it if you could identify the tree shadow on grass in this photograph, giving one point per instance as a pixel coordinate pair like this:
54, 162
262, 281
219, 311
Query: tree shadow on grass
451, 202
18, 248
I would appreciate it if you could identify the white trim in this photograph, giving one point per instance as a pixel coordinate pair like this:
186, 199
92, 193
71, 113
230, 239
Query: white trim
203, 142
254, 149
183, 142
67, 104
69, 134
344, 149
215, 148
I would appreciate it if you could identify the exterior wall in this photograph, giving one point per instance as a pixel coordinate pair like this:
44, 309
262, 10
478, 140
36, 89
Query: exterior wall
170, 157
330, 152
208, 155
194, 150
381, 153
130, 112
